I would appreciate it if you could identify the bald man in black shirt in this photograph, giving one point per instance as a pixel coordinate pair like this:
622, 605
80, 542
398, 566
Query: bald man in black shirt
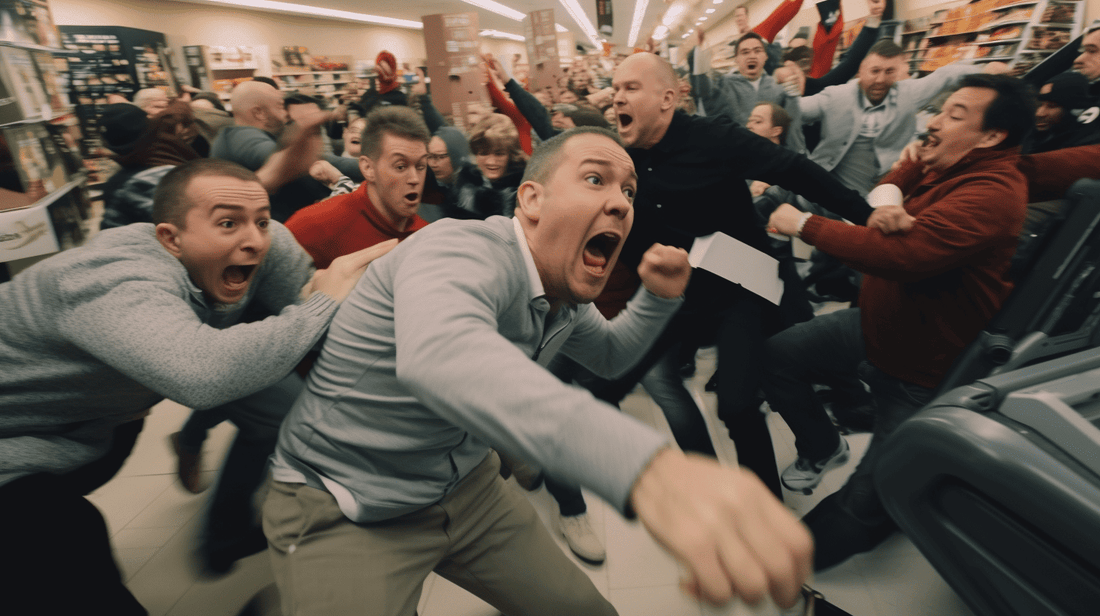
691, 183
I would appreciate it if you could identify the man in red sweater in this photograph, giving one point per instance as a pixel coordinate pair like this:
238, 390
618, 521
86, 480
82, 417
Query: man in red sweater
926, 294
393, 161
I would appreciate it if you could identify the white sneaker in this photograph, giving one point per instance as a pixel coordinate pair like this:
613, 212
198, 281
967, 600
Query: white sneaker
578, 533
804, 475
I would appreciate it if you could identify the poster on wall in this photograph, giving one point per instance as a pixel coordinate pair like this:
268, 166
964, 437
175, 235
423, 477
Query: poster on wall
542, 49
452, 43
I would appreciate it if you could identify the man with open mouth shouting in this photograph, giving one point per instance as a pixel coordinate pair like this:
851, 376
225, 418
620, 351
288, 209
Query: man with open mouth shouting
691, 173
383, 471
95, 336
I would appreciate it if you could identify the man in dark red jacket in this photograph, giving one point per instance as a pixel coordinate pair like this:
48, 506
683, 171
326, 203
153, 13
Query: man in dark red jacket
926, 294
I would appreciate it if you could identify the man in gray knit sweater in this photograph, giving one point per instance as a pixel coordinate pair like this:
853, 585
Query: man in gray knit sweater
93, 337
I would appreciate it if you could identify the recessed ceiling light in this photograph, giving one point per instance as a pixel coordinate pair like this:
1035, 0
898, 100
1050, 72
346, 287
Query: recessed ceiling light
314, 11
709, 11
703, 18
640, 7
498, 8
582, 20
502, 35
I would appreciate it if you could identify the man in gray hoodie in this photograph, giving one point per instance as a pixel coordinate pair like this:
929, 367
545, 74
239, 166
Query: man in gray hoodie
93, 337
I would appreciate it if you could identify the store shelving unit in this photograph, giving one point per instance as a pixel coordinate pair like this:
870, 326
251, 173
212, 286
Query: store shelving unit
44, 205
219, 69
1019, 33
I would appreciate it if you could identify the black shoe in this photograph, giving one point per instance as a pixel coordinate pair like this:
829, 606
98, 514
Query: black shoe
838, 535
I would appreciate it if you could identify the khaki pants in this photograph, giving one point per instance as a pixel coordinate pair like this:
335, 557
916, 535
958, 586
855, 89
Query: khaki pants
483, 537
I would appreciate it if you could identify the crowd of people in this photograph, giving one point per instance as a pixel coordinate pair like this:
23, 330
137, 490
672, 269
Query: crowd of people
397, 308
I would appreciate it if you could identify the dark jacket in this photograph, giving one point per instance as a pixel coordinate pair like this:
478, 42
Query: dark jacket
473, 196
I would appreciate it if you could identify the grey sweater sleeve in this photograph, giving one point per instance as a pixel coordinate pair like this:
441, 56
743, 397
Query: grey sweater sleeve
610, 348
142, 327
449, 302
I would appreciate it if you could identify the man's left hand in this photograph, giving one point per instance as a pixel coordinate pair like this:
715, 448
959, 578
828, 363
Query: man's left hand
890, 219
665, 270
784, 220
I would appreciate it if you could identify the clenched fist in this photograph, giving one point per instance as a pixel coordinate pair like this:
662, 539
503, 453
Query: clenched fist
665, 270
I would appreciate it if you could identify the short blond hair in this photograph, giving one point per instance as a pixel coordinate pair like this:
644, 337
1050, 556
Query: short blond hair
497, 132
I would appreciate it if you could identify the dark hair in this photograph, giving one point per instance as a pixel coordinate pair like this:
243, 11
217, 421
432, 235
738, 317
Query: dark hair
171, 201
211, 98
396, 120
544, 160
780, 118
1012, 111
796, 54
747, 36
293, 98
885, 48
269, 81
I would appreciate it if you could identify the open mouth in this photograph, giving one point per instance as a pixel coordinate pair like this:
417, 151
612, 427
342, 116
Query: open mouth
930, 141
625, 120
412, 197
598, 251
236, 277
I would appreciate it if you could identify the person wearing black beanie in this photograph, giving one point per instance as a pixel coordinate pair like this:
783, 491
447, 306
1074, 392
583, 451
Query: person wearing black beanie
1061, 120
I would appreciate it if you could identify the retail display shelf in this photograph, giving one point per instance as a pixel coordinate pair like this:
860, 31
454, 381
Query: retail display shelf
52, 196
53, 116
31, 47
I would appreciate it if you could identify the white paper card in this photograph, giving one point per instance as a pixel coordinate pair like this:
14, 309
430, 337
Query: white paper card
738, 262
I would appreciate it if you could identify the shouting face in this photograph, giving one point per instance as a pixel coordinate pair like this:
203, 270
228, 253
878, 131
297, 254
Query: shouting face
580, 217
224, 237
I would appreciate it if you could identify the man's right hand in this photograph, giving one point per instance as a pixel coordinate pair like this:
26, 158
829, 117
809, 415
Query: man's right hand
733, 536
299, 148
343, 273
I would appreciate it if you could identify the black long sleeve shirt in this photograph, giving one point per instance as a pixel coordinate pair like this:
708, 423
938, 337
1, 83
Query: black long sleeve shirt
692, 183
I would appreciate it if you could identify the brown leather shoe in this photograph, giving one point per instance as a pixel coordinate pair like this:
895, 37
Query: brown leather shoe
190, 466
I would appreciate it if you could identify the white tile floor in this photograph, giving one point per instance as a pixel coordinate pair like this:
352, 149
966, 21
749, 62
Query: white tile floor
153, 522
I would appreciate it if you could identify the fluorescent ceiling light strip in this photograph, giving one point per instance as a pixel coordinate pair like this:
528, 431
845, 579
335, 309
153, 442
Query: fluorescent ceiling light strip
578, 16
503, 35
561, 28
315, 11
640, 7
498, 8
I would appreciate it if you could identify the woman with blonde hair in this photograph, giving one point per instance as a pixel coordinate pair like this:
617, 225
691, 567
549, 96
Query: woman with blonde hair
487, 187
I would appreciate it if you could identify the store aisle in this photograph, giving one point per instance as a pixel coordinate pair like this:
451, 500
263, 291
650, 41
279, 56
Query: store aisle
154, 521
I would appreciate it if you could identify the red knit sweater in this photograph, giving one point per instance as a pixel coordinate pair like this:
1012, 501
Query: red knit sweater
929, 292
344, 224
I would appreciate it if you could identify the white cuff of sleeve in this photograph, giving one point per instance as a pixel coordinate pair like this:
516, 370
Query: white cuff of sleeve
802, 223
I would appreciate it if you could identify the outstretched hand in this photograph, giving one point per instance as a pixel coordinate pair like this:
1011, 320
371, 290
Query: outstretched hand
300, 147
496, 69
343, 273
728, 530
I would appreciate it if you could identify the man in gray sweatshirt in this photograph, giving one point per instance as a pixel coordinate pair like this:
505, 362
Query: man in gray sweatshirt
93, 337
383, 471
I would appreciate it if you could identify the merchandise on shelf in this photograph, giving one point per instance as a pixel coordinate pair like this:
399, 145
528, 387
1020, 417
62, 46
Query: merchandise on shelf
39, 164
52, 81
28, 22
21, 81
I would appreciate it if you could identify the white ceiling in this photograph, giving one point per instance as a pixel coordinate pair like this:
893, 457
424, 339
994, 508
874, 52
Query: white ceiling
623, 11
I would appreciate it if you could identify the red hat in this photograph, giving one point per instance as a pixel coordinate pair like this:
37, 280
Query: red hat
386, 82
